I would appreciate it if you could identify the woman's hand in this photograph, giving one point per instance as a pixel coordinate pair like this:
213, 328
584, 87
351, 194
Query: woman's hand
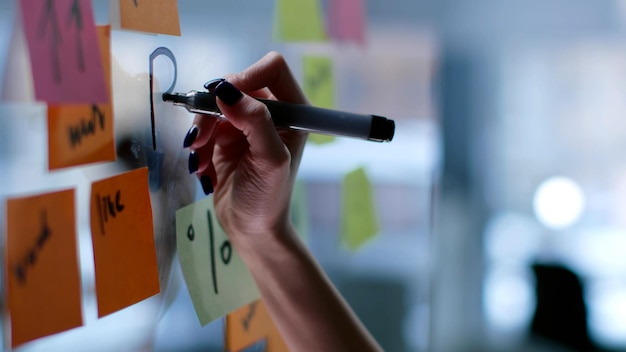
249, 165
252, 168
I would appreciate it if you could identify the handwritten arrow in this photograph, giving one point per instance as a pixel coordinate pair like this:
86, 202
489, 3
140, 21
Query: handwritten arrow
49, 16
77, 15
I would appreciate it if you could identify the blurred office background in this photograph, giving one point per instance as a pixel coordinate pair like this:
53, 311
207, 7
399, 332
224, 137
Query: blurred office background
507, 176
531, 98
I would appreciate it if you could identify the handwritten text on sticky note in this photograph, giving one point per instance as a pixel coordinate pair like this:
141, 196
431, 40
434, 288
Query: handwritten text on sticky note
153, 16
83, 133
359, 220
319, 86
217, 279
299, 21
123, 241
64, 54
41, 266
250, 324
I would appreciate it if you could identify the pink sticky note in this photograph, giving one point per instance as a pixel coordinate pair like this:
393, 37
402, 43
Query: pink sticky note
64, 53
346, 20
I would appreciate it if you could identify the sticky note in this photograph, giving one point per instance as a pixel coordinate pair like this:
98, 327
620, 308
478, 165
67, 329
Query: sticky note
83, 133
299, 210
359, 218
319, 86
41, 266
217, 279
298, 21
64, 54
153, 16
123, 241
250, 324
346, 20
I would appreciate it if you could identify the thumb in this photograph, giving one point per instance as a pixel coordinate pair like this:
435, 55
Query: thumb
252, 118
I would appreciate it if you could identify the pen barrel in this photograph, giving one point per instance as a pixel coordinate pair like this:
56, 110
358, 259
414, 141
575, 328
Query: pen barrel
325, 121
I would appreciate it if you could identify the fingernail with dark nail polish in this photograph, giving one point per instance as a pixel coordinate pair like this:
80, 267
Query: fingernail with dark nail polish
190, 136
228, 93
210, 85
207, 184
194, 162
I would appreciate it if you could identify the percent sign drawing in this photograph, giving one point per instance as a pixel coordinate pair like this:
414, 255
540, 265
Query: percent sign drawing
226, 249
216, 276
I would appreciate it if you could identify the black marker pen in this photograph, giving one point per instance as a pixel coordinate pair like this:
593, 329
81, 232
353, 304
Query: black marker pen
299, 117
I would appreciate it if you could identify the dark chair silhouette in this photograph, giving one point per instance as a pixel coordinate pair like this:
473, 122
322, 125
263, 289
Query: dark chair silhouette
561, 315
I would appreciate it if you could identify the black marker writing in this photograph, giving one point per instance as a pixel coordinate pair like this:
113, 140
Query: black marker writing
318, 78
136, 2
108, 207
225, 252
30, 258
156, 53
191, 233
248, 318
49, 16
77, 16
86, 127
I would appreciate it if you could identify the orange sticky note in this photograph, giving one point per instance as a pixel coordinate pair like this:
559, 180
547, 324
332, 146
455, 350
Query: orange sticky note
41, 266
249, 324
123, 241
83, 133
154, 16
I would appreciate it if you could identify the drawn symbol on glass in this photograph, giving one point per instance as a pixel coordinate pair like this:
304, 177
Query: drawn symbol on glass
226, 252
49, 16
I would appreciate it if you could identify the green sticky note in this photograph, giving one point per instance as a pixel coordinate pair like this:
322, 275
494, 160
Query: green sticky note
359, 221
299, 21
299, 211
217, 279
319, 86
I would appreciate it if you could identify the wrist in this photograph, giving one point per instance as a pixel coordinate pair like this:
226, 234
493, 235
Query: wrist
265, 248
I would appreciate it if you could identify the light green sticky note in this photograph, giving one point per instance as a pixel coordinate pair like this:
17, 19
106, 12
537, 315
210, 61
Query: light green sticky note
299, 211
319, 86
299, 21
217, 279
359, 221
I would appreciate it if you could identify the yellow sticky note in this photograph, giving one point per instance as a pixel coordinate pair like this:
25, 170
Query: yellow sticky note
123, 241
217, 279
250, 324
153, 16
319, 86
299, 21
41, 266
83, 133
359, 220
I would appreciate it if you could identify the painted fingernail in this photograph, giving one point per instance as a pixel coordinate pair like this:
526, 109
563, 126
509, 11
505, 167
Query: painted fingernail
210, 85
207, 184
194, 162
190, 136
228, 93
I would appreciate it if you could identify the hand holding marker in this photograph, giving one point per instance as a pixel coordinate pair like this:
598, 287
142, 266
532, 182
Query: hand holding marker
296, 116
